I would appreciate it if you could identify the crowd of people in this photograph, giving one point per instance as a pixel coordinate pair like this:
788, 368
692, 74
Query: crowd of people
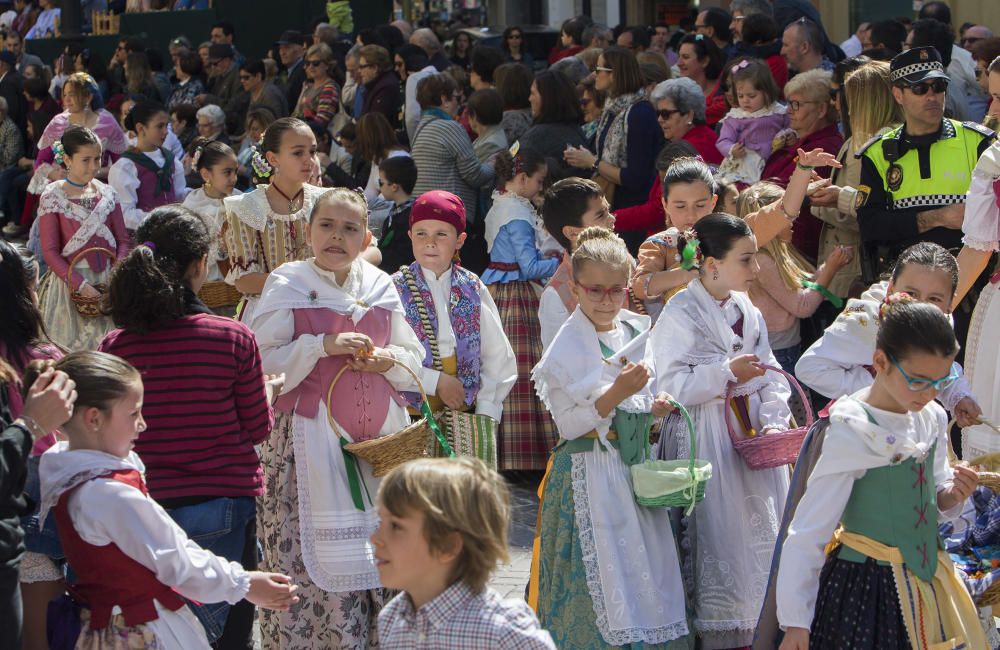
634, 271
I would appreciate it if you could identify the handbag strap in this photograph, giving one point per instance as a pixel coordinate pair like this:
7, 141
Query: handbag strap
425, 320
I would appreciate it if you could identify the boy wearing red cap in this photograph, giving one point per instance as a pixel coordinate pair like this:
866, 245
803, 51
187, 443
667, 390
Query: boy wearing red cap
468, 363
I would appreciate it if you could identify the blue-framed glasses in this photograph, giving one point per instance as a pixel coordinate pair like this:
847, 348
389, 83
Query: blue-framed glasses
918, 385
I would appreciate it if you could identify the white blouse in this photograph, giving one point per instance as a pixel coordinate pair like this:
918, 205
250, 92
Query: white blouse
498, 365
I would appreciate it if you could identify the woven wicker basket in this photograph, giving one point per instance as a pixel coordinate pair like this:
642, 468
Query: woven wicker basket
773, 449
386, 452
695, 469
218, 294
89, 307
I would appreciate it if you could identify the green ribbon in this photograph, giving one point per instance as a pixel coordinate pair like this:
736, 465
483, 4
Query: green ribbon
833, 299
689, 256
354, 477
425, 410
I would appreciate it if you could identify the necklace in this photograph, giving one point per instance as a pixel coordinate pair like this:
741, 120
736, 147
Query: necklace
79, 185
290, 199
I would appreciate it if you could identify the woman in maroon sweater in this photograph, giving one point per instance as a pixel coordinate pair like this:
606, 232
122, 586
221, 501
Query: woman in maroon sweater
207, 401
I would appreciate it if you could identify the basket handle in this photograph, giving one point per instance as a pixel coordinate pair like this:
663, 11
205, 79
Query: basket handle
730, 389
80, 254
693, 442
424, 406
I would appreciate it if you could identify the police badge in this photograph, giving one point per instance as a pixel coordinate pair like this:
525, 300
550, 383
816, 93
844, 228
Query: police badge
894, 177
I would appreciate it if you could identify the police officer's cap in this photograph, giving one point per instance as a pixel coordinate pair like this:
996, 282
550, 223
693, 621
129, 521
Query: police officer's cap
915, 65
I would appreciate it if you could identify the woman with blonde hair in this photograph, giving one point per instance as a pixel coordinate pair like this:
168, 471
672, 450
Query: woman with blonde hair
320, 97
871, 111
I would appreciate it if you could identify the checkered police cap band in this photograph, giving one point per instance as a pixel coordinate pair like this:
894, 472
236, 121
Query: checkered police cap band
913, 68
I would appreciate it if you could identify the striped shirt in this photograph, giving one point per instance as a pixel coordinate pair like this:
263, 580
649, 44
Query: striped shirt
445, 160
205, 406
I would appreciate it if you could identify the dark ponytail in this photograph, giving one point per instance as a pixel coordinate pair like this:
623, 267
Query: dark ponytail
148, 288
909, 326
21, 326
210, 153
507, 166
76, 137
142, 113
717, 233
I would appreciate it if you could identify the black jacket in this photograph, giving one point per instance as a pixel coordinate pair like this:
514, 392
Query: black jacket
12, 89
382, 96
293, 84
395, 243
15, 446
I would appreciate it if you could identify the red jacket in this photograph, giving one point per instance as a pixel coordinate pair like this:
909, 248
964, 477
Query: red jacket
558, 53
703, 139
648, 216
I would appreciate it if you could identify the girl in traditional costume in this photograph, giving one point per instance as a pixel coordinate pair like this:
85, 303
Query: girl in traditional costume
982, 238
314, 318
77, 214
216, 163
608, 572
148, 175
708, 337
517, 265
840, 362
477, 364
879, 487
267, 227
132, 563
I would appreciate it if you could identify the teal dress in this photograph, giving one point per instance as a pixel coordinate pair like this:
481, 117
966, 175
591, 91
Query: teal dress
566, 600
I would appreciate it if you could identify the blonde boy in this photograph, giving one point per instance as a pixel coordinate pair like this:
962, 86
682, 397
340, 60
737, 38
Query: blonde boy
443, 529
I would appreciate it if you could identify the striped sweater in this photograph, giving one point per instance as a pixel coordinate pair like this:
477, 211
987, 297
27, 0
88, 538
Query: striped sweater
205, 406
446, 161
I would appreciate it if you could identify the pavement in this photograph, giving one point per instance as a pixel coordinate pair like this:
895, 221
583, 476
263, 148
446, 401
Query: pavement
510, 579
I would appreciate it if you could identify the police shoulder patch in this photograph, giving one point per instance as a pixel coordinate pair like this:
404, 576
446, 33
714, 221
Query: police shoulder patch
861, 197
866, 145
980, 129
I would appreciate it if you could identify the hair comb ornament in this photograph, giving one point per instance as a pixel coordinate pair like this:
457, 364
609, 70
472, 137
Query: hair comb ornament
260, 166
892, 300
691, 256
59, 152
196, 156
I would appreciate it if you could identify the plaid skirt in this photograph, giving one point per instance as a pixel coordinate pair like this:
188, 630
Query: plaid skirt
526, 435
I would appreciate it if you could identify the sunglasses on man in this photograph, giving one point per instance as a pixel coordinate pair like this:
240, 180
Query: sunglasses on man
939, 86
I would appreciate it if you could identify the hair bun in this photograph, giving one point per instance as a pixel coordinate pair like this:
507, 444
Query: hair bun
893, 302
594, 233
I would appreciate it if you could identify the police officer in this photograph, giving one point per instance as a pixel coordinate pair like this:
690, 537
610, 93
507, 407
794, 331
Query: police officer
914, 178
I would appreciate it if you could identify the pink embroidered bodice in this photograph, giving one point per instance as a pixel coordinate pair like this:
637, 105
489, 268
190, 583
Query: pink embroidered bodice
360, 399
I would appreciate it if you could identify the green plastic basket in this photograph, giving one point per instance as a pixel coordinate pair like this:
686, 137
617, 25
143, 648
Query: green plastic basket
672, 483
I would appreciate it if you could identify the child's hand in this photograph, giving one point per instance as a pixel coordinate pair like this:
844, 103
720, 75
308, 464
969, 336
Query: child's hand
967, 412
352, 343
88, 291
50, 400
451, 391
825, 197
796, 638
818, 158
963, 484
662, 406
368, 362
272, 591
738, 151
273, 385
840, 257
816, 186
745, 367
631, 379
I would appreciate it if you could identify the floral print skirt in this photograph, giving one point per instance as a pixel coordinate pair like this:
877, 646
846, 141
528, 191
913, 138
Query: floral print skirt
321, 619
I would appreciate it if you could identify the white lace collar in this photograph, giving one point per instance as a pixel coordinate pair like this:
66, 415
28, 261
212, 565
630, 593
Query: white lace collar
254, 210
92, 222
774, 109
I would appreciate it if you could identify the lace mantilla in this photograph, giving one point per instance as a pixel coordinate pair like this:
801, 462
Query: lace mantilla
254, 210
588, 548
40, 179
54, 200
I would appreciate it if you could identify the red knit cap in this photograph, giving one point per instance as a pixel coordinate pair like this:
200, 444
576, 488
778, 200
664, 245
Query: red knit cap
440, 206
